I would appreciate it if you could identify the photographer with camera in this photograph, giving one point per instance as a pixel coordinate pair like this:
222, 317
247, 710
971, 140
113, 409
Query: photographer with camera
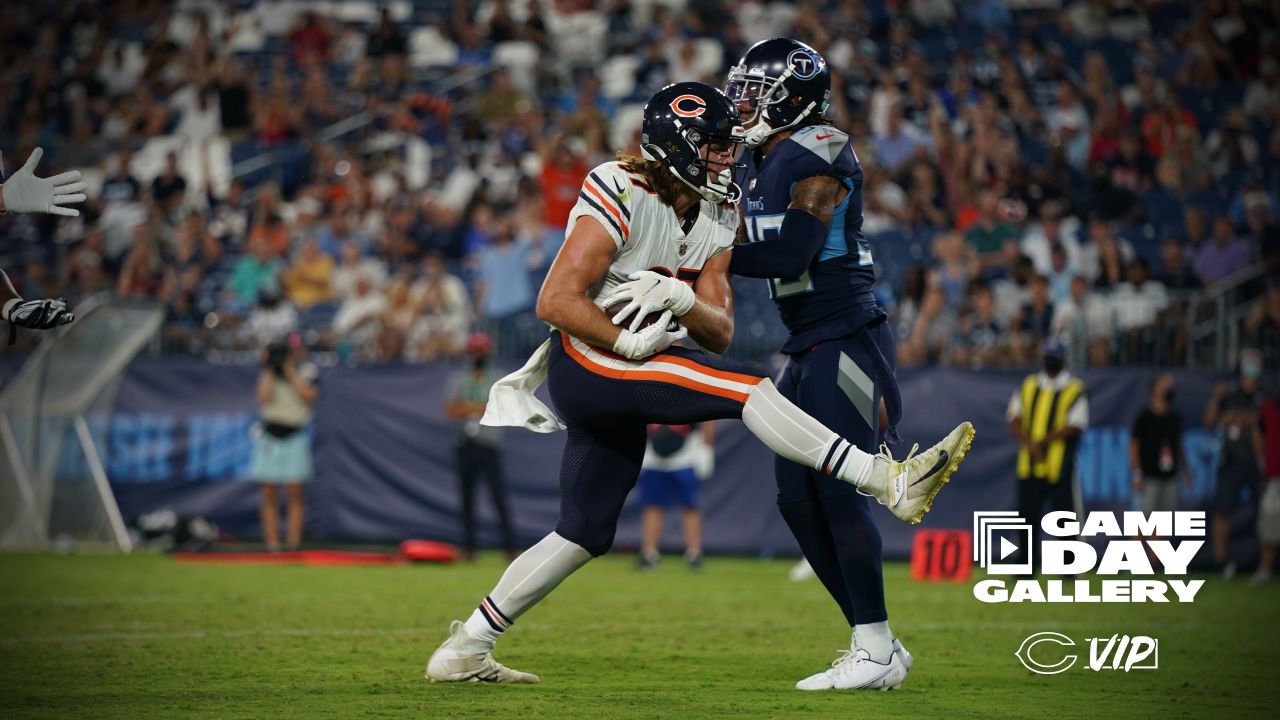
282, 447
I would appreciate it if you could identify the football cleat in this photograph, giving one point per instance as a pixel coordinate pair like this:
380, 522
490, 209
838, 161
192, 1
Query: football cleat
907, 488
462, 659
903, 656
855, 670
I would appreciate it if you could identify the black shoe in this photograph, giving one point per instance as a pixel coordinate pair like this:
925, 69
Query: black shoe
694, 560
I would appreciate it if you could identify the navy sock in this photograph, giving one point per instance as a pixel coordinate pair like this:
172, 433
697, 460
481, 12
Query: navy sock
808, 524
857, 545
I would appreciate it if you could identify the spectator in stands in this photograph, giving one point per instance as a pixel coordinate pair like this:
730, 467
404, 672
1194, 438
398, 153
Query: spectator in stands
1112, 255
1225, 255
273, 233
309, 280
1176, 273
1139, 301
236, 100
340, 230
1054, 228
397, 318
1233, 413
1086, 323
386, 38
144, 275
479, 448
1032, 324
169, 188
502, 102
931, 333
1048, 441
309, 41
957, 266
989, 233
441, 328
1060, 274
1230, 147
229, 215
897, 147
352, 266
355, 325
564, 167
254, 269
981, 341
282, 447
503, 289
926, 199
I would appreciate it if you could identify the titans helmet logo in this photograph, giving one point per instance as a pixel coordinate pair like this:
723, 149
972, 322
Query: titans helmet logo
804, 63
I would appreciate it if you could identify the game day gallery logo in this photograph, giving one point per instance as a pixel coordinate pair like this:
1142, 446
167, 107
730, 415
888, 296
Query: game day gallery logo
1004, 544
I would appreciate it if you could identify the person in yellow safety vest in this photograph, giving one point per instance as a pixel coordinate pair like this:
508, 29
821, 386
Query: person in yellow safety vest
1047, 414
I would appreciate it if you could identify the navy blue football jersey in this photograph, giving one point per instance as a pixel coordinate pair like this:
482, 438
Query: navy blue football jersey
834, 297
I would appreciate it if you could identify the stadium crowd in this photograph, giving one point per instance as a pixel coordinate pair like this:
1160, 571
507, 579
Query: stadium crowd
388, 177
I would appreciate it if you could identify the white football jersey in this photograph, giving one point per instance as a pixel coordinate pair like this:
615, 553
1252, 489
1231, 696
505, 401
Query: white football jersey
647, 233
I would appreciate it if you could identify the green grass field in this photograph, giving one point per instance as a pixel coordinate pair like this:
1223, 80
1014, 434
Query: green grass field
145, 637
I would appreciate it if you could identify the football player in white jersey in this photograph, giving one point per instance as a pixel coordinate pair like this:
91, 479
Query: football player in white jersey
649, 240
23, 192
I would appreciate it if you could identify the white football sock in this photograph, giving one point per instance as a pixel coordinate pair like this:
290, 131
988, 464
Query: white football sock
876, 639
796, 436
527, 580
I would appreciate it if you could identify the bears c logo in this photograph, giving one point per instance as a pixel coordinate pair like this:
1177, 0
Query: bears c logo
688, 106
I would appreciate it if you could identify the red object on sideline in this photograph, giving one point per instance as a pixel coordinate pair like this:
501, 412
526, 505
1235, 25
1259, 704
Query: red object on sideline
428, 551
300, 557
942, 555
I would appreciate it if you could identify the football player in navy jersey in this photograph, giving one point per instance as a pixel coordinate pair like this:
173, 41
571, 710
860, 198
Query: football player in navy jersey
802, 230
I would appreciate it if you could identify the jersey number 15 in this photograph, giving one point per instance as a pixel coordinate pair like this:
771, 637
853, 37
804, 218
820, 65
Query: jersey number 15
767, 227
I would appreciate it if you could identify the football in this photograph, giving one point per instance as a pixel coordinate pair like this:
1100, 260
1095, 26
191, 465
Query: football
613, 308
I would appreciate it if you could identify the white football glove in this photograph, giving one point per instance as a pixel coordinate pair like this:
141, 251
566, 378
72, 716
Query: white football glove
649, 340
649, 292
26, 193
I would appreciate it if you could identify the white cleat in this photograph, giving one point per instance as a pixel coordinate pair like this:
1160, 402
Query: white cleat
842, 675
907, 488
801, 571
462, 659
904, 657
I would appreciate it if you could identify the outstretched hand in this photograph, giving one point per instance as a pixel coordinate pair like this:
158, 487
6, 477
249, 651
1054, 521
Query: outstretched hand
23, 192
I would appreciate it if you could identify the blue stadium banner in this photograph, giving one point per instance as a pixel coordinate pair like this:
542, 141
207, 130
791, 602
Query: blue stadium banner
179, 438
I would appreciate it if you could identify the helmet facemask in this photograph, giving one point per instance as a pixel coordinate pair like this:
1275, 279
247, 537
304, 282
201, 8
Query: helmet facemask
762, 92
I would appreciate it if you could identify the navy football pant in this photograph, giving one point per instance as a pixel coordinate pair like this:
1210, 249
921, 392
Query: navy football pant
607, 402
836, 382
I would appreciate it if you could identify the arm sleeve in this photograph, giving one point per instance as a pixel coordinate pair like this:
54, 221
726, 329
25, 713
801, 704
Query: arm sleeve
605, 196
1078, 414
786, 256
1014, 409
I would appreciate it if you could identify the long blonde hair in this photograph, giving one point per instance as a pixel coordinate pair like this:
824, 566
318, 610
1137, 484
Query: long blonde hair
664, 183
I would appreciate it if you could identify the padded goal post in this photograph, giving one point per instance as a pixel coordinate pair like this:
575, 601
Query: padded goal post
54, 490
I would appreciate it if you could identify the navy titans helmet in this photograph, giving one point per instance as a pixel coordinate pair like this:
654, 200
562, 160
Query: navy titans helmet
681, 119
785, 81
